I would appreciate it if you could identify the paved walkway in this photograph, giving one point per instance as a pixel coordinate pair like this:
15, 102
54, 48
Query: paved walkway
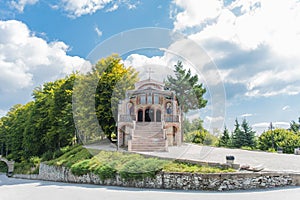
268, 161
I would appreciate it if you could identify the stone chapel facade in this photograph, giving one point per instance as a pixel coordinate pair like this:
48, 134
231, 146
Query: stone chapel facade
149, 119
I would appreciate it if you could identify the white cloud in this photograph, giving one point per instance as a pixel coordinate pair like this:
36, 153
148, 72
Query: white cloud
195, 13
214, 119
286, 107
266, 125
77, 8
113, 8
98, 31
27, 61
258, 40
20, 4
247, 115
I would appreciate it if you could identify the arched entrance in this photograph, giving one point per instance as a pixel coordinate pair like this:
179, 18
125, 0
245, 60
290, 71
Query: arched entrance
158, 115
140, 115
174, 130
149, 115
10, 166
3, 167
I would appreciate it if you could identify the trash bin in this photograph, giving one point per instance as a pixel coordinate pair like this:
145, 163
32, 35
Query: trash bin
229, 160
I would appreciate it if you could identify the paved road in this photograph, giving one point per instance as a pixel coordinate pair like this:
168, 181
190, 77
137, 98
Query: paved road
17, 189
269, 161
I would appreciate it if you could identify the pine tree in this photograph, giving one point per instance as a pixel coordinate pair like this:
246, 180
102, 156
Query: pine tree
237, 135
189, 93
225, 138
248, 136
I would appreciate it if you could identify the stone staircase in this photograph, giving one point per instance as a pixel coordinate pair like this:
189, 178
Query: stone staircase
148, 136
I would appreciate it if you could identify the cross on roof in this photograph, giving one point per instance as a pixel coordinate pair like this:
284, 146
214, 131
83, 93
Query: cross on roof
150, 71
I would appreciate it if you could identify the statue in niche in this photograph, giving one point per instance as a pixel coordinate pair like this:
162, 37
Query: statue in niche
169, 108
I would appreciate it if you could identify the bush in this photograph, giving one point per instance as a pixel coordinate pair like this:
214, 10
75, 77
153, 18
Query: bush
139, 169
3, 167
193, 168
71, 157
81, 168
105, 172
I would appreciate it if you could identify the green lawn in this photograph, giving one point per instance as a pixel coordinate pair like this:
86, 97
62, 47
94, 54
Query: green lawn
130, 166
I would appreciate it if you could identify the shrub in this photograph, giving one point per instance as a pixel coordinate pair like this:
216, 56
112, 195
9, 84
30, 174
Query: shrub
139, 169
105, 172
80, 168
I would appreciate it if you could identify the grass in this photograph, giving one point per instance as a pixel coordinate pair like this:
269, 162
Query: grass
107, 164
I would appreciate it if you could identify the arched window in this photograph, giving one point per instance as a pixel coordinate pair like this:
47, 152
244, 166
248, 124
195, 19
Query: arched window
158, 115
140, 115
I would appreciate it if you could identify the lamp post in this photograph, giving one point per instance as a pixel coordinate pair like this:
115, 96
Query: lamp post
272, 135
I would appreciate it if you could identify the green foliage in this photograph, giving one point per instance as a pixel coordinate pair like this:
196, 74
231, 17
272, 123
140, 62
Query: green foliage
286, 139
189, 92
139, 169
193, 168
3, 167
243, 136
80, 168
45, 125
111, 80
30, 166
224, 140
295, 127
105, 172
41, 126
106, 164
200, 137
71, 157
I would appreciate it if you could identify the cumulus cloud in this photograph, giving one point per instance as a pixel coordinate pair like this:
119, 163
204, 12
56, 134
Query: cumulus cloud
255, 43
27, 61
20, 4
247, 115
77, 8
195, 13
266, 125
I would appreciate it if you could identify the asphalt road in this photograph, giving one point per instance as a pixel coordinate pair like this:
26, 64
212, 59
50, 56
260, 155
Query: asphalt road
18, 189
268, 161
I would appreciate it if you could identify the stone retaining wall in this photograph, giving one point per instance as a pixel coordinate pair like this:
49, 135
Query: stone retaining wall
164, 180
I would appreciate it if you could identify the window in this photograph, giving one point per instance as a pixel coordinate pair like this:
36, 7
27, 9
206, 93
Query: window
156, 99
143, 99
149, 98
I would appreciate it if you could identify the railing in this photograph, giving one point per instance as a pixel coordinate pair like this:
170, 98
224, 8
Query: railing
171, 118
127, 118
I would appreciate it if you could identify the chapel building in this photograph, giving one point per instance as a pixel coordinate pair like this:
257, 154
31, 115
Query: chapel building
149, 119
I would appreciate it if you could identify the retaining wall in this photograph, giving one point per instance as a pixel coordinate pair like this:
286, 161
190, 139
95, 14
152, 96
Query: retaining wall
166, 180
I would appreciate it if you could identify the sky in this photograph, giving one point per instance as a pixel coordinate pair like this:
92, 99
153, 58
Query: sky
253, 44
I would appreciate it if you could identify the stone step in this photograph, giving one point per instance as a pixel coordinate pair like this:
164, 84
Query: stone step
148, 128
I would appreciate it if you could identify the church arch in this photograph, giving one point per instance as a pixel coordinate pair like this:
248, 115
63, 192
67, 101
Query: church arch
158, 115
140, 115
149, 114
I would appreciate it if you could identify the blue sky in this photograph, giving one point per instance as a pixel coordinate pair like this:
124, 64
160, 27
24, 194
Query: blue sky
254, 44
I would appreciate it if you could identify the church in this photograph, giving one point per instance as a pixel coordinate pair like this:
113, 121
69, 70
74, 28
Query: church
149, 118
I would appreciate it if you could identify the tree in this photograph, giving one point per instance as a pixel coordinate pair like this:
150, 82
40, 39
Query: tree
286, 139
237, 136
224, 140
110, 79
248, 136
294, 126
189, 93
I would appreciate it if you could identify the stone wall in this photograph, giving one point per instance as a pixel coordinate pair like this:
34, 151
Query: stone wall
185, 181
